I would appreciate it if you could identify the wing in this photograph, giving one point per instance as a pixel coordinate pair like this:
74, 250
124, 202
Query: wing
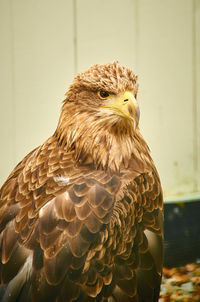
52, 215
138, 264
71, 233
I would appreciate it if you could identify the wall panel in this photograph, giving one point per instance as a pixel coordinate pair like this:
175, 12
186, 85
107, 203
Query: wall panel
106, 31
165, 66
43, 56
197, 84
7, 107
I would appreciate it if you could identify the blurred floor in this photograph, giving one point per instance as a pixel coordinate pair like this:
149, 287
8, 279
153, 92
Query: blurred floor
181, 284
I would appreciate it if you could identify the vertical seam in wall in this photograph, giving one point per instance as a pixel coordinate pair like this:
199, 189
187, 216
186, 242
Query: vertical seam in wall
13, 93
75, 37
194, 75
136, 35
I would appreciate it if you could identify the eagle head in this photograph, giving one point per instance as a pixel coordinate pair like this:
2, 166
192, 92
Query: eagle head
103, 100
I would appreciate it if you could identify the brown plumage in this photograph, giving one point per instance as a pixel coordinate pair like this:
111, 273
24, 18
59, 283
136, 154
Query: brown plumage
81, 216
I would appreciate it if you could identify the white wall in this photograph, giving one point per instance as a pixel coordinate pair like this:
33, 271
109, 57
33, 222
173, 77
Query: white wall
43, 43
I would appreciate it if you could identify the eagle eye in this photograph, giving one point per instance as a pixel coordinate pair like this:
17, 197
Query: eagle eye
103, 94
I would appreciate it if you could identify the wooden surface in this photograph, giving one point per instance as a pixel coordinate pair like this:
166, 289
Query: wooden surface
44, 43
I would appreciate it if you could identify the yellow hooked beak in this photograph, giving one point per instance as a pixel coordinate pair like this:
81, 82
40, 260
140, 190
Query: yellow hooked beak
125, 105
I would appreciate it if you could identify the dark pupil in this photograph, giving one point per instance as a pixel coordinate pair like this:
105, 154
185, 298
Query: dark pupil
104, 94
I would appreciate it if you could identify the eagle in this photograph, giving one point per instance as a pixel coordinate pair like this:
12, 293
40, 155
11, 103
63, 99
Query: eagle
81, 216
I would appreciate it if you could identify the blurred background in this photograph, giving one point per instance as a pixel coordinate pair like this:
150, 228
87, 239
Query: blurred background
44, 43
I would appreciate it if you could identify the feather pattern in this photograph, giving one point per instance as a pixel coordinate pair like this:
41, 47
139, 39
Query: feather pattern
81, 216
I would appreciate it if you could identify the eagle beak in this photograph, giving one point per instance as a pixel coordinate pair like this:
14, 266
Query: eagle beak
124, 105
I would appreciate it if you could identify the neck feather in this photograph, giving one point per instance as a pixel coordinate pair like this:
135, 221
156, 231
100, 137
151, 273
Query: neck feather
108, 143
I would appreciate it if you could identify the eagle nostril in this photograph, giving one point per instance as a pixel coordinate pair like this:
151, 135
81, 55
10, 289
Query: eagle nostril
126, 100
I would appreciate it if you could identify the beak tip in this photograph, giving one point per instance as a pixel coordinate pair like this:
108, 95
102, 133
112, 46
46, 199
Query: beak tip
137, 114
